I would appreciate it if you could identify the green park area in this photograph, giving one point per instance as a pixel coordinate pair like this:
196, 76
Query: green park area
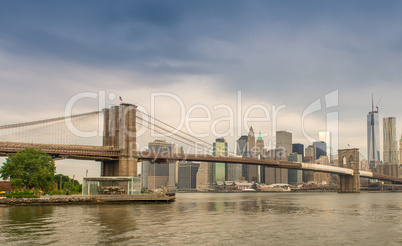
31, 173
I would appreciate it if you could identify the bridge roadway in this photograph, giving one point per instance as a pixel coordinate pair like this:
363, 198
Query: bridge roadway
80, 152
100, 153
242, 160
144, 155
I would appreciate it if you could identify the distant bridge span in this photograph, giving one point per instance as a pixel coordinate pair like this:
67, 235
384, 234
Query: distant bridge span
247, 161
264, 162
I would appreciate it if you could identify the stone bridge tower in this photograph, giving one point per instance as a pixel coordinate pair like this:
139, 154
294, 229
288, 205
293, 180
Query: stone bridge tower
119, 131
349, 158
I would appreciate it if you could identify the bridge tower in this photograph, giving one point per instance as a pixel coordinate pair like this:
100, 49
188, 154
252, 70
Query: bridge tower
120, 132
349, 158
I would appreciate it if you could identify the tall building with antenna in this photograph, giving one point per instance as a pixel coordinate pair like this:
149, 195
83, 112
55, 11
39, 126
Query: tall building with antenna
373, 136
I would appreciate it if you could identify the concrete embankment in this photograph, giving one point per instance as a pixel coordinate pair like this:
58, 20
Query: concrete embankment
85, 200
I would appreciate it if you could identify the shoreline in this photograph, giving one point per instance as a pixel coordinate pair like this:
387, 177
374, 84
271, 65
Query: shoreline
292, 191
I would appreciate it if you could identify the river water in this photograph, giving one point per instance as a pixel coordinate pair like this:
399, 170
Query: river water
214, 219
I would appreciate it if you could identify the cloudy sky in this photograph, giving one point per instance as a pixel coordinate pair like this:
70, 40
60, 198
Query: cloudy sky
273, 53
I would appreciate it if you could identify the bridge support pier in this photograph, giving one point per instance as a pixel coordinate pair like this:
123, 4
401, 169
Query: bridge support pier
125, 166
349, 158
120, 132
109, 168
349, 184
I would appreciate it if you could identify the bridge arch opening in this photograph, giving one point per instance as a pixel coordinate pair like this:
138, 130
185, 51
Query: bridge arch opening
344, 161
351, 162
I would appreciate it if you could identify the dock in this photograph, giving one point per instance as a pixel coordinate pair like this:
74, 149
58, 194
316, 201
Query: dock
86, 200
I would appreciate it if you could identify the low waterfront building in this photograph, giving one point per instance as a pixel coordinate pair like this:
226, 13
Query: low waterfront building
111, 186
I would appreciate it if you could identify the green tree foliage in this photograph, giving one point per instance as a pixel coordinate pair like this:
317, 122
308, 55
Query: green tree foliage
29, 168
62, 180
67, 185
77, 188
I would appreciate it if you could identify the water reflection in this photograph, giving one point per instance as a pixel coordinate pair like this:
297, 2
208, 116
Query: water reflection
27, 223
115, 223
214, 219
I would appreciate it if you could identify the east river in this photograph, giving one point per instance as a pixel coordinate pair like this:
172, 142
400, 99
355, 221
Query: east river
214, 219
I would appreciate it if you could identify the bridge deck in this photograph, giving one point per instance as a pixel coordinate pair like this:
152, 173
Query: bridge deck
250, 161
69, 151
109, 153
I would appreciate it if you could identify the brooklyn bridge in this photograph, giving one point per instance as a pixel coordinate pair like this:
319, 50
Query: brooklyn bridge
121, 131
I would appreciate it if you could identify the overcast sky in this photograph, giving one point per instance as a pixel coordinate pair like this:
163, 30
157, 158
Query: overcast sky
274, 52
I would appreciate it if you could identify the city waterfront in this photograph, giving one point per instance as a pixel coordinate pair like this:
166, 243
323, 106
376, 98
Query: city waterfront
215, 219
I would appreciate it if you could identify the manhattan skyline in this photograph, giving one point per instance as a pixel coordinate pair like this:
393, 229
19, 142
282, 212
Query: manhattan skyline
274, 53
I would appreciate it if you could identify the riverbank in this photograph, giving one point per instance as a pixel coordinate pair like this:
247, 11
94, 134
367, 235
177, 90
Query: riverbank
292, 191
85, 200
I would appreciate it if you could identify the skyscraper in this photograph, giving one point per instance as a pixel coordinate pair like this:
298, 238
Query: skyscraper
311, 151
252, 170
284, 140
400, 151
298, 148
242, 150
157, 173
283, 149
234, 171
204, 176
177, 150
319, 177
327, 138
295, 176
251, 142
187, 175
373, 136
219, 169
260, 145
310, 156
321, 148
259, 154
241, 143
390, 144
275, 175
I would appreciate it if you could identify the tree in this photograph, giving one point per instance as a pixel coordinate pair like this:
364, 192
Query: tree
29, 168
67, 185
61, 179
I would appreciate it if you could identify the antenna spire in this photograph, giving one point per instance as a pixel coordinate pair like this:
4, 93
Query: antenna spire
372, 102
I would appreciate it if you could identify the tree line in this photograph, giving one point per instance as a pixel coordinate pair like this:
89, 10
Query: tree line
34, 169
